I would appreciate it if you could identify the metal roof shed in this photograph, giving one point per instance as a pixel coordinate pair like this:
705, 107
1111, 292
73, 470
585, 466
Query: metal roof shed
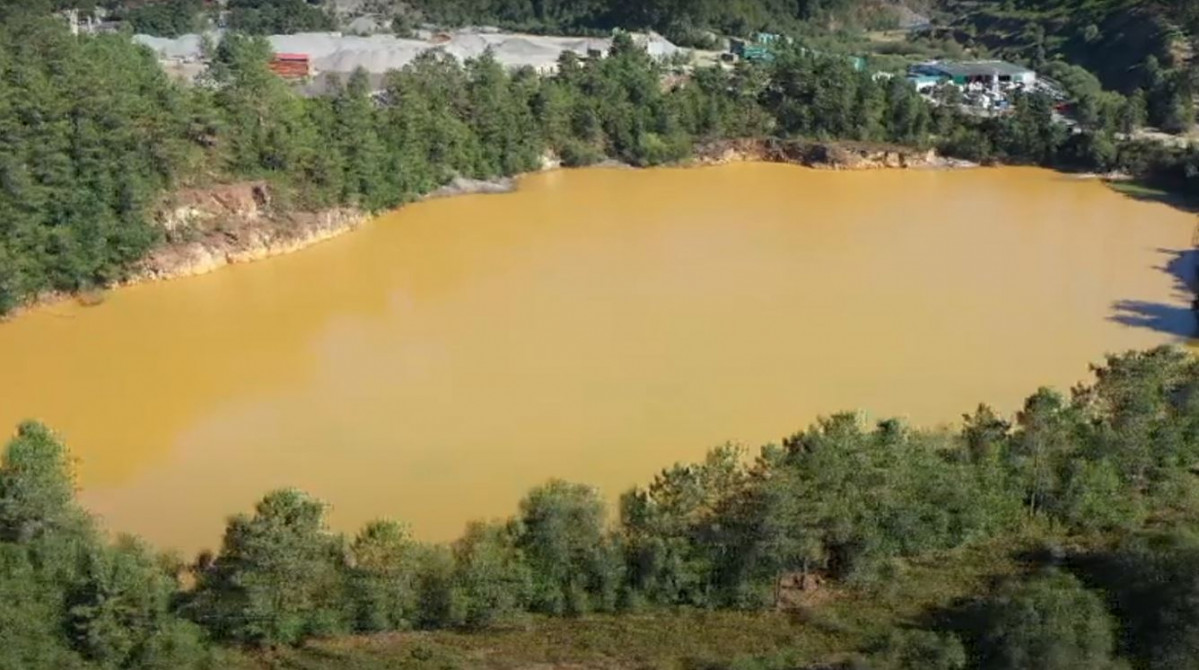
989, 71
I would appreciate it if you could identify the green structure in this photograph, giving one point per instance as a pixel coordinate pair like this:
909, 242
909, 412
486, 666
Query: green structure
764, 45
760, 50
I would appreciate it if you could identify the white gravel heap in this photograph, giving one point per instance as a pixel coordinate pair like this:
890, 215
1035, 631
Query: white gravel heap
335, 52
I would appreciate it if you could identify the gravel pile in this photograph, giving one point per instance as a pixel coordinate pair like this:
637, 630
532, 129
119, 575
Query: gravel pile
335, 52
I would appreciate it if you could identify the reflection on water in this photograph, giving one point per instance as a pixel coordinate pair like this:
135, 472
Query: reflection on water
597, 325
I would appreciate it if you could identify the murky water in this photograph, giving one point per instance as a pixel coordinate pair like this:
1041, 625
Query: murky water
597, 326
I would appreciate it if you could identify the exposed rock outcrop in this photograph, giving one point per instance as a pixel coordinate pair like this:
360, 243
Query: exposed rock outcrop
465, 186
825, 155
210, 228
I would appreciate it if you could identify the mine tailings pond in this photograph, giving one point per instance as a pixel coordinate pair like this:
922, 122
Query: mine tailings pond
596, 325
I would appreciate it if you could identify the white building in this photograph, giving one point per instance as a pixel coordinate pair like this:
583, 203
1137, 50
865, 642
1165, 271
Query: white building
989, 73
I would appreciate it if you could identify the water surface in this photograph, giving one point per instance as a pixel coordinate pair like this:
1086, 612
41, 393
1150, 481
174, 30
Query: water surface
597, 326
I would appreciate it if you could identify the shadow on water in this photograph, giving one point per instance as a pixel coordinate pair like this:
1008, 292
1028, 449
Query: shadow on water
1178, 319
1147, 193
1171, 319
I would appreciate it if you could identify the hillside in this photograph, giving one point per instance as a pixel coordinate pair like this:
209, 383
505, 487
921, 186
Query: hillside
1112, 38
1127, 44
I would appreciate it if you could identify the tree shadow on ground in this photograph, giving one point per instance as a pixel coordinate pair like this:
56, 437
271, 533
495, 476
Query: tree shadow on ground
1174, 318
966, 617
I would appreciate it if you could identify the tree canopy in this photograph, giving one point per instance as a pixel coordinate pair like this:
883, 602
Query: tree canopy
94, 136
840, 502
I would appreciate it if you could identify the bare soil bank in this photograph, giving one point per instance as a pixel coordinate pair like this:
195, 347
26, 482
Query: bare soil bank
207, 229
210, 228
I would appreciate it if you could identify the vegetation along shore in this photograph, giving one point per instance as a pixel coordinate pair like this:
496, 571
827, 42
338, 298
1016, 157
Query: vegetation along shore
208, 228
1061, 539
116, 139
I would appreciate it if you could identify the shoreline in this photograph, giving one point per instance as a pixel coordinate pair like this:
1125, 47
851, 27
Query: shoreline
235, 223
818, 155
213, 227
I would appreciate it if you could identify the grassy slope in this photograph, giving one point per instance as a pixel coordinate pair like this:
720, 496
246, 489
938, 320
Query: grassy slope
838, 622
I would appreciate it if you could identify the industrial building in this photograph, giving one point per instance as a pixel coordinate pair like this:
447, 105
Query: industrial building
291, 66
987, 73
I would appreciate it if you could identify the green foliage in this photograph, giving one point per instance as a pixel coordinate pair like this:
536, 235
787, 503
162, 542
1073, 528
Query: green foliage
1094, 108
66, 599
361, 150
838, 501
575, 567
920, 650
93, 134
277, 578
669, 526
500, 116
683, 22
440, 604
266, 127
272, 17
382, 578
44, 538
90, 132
169, 18
1151, 583
1170, 96
1151, 409
119, 613
1094, 497
31, 614
1049, 622
1111, 38
491, 575
37, 487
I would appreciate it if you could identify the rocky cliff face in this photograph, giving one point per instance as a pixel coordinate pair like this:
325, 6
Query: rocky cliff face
824, 155
210, 228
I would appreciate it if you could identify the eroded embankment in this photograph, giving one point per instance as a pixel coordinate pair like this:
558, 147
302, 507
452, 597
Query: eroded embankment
209, 228
824, 155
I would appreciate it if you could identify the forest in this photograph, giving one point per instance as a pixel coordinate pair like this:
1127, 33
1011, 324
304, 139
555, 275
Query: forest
170, 18
1090, 497
1104, 477
93, 133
